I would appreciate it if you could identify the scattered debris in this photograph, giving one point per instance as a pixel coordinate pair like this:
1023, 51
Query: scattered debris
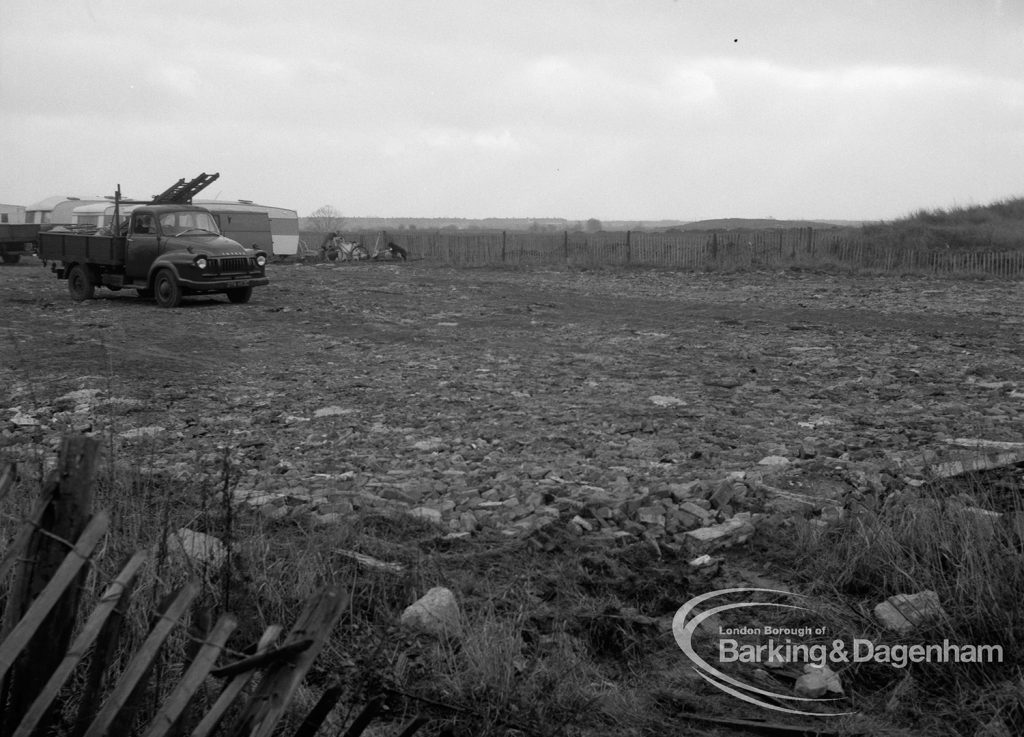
979, 463
137, 433
436, 612
816, 681
430, 444
198, 547
661, 401
903, 613
733, 531
368, 561
333, 411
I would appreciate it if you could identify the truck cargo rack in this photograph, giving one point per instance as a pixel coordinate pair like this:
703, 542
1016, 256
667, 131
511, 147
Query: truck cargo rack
182, 192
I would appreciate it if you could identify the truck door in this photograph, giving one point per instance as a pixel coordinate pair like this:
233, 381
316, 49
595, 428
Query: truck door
143, 246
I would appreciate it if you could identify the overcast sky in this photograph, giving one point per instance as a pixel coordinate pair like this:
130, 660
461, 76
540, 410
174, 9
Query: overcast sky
614, 109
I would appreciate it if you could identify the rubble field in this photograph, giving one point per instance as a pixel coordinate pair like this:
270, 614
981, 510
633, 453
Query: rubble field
691, 411
488, 398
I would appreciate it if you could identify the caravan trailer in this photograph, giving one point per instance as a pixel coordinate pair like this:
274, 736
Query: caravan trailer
58, 210
99, 214
231, 216
251, 229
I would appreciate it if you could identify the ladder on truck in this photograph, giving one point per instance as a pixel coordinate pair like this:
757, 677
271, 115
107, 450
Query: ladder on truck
182, 192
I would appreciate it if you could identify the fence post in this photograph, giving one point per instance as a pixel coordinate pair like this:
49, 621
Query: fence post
65, 509
629, 248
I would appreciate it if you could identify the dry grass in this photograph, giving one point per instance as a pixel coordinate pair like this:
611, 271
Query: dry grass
934, 538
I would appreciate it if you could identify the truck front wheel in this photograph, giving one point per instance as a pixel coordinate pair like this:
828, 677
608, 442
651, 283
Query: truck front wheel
80, 283
166, 289
240, 295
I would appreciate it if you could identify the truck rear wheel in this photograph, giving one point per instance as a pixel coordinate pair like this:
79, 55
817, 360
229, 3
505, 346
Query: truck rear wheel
240, 295
11, 258
166, 289
80, 283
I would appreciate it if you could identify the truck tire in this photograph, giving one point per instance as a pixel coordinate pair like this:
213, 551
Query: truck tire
11, 258
166, 289
80, 283
240, 295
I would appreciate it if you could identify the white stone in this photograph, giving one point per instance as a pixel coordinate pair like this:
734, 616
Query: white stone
903, 613
428, 444
79, 395
583, 524
733, 531
811, 686
332, 411
817, 681
141, 432
773, 461
429, 514
23, 420
197, 546
663, 401
436, 612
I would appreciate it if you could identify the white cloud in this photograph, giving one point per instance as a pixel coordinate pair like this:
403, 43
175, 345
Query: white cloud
654, 109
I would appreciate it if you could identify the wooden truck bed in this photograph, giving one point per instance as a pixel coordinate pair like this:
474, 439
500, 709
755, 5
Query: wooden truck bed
18, 233
76, 248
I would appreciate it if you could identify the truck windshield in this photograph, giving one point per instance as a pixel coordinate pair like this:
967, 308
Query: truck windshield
173, 223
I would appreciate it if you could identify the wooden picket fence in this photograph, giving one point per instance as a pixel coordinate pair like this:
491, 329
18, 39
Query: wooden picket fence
43, 642
697, 250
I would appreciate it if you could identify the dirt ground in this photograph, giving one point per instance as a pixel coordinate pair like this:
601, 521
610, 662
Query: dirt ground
426, 386
759, 363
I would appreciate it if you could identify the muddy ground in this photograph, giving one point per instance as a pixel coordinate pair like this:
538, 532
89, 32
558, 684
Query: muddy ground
488, 397
560, 367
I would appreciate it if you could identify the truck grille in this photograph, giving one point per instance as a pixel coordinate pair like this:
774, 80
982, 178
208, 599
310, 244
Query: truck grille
235, 265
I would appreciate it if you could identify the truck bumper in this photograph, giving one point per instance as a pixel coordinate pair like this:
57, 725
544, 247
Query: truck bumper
219, 285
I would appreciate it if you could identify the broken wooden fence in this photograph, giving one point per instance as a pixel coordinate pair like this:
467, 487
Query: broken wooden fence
38, 655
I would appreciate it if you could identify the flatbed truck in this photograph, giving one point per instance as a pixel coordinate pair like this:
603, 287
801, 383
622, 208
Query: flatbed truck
17, 240
165, 251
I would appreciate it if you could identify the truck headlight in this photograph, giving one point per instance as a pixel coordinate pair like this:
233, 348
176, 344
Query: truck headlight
201, 262
261, 260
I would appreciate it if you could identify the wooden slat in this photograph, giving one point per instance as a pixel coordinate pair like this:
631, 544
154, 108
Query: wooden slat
65, 575
234, 687
103, 654
324, 705
108, 601
139, 664
7, 477
268, 702
413, 727
17, 548
262, 659
175, 703
364, 717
